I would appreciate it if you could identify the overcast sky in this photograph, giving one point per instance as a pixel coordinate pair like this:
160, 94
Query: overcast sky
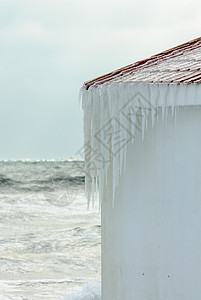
48, 48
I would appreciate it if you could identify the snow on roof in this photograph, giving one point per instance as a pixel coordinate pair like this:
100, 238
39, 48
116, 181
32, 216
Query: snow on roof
181, 64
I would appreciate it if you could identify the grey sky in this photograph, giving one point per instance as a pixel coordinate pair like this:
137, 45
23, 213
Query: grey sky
48, 48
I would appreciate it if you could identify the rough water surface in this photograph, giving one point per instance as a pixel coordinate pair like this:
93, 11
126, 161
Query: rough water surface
49, 241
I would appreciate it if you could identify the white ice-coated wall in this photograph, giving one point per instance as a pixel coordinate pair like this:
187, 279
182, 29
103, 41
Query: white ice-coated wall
111, 119
151, 237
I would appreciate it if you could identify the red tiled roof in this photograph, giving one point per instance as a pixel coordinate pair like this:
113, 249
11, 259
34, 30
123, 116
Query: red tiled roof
181, 64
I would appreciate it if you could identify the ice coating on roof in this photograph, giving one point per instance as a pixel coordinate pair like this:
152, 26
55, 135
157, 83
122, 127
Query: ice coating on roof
121, 105
181, 64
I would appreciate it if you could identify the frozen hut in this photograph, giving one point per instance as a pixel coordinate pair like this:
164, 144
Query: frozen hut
142, 129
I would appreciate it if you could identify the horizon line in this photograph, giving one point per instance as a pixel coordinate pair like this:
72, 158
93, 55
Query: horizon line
41, 160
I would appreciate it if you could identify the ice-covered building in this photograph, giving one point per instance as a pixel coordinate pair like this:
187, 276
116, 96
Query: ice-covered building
142, 129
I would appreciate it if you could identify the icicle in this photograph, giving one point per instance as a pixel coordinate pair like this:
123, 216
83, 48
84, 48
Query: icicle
175, 116
92, 188
153, 96
166, 114
121, 153
163, 112
87, 193
106, 177
143, 126
173, 110
96, 188
125, 159
101, 185
121, 159
123, 120
146, 121
114, 177
157, 118
153, 117
82, 92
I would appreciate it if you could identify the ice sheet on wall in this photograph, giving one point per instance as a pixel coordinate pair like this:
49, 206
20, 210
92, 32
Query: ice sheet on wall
113, 114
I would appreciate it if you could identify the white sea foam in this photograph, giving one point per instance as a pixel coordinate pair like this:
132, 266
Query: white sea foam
91, 291
4, 286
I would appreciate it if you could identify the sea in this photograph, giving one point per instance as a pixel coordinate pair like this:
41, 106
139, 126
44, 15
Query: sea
49, 240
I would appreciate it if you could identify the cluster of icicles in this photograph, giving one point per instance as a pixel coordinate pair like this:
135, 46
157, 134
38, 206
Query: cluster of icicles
113, 115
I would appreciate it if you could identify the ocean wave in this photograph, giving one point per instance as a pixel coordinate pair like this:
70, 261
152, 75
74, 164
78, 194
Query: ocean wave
6, 181
60, 179
50, 183
91, 291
